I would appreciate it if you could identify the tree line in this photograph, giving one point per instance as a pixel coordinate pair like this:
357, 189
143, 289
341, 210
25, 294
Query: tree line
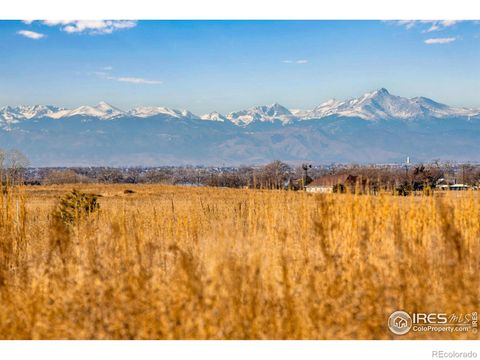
275, 175
14, 169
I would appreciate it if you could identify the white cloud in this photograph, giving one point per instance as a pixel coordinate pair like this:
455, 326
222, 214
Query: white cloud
31, 34
408, 24
93, 27
433, 25
439, 25
448, 23
128, 79
107, 68
135, 80
429, 26
300, 61
101, 73
446, 40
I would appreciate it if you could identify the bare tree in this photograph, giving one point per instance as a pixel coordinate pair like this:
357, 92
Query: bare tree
3, 157
66, 176
275, 175
15, 163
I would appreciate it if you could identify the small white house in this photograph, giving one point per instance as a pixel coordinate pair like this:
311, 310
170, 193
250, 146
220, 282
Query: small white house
442, 184
327, 183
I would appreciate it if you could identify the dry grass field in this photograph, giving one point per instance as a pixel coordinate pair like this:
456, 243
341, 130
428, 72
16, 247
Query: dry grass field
170, 262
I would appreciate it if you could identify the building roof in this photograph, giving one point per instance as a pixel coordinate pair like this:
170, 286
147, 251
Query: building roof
331, 180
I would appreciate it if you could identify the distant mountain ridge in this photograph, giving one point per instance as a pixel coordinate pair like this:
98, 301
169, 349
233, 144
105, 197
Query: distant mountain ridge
380, 104
375, 127
374, 106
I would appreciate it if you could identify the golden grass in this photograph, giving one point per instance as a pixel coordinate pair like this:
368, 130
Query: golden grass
201, 263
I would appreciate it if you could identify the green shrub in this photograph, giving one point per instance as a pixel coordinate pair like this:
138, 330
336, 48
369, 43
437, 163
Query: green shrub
76, 205
404, 189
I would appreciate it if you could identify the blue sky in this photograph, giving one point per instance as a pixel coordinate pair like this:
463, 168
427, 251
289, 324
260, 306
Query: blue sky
231, 65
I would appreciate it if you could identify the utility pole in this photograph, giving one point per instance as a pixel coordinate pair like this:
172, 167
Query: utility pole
305, 168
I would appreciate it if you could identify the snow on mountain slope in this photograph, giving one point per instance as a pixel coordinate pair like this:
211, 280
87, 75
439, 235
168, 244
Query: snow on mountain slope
10, 114
266, 113
263, 133
380, 104
372, 106
433, 108
102, 110
214, 116
148, 111
188, 115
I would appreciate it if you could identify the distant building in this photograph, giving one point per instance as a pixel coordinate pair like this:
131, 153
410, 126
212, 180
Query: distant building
459, 187
443, 184
336, 183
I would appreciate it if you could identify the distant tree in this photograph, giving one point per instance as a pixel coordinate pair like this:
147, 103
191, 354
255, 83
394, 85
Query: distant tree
424, 176
404, 189
467, 174
3, 156
275, 174
109, 175
15, 163
156, 176
67, 176
132, 176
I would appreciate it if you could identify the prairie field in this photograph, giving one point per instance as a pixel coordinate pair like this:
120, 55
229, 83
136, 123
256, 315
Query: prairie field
166, 262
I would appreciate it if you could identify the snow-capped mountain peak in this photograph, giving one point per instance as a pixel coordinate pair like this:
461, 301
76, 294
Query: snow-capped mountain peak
381, 105
149, 111
188, 114
102, 110
13, 114
265, 113
107, 108
372, 106
377, 93
214, 116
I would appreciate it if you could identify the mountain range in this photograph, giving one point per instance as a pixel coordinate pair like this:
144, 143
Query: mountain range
375, 127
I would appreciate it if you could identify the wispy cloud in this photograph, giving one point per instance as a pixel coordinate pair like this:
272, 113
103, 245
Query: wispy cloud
31, 34
135, 80
429, 26
434, 27
445, 40
92, 27
439, 25
408, 24
426, 25
128, 79
300, 61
